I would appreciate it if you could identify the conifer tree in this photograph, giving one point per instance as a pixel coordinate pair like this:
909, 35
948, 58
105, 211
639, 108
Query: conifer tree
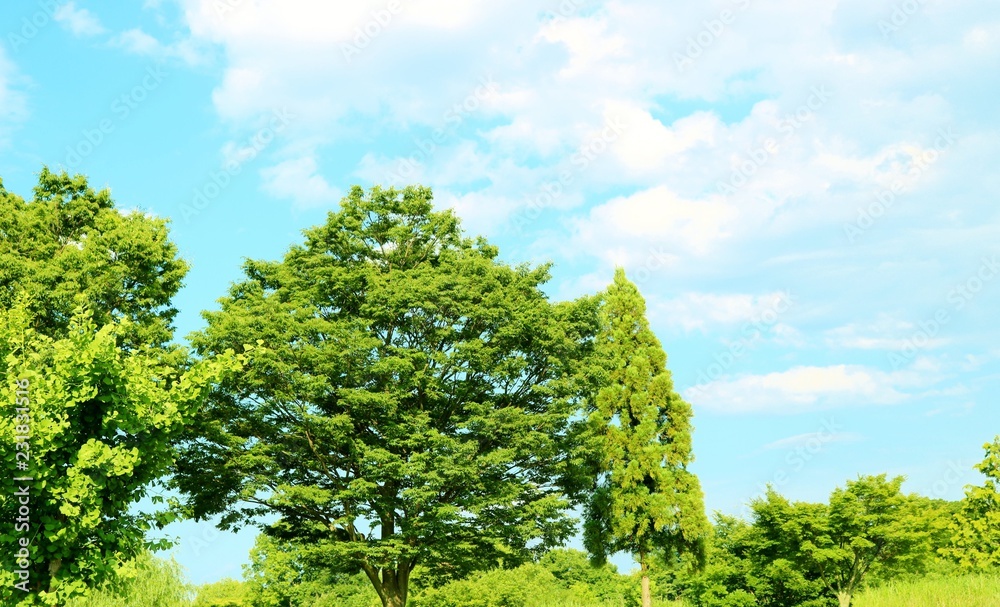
644, 498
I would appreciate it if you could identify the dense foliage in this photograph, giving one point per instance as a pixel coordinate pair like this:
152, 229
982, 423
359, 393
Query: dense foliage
644, 498
70, 246
412, 405
94, 395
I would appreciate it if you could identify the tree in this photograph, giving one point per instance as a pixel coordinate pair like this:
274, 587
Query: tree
975, 543
280, 575
92, 430
644, 496
411, 406
868, 524
85, 321
871, 523
71, 246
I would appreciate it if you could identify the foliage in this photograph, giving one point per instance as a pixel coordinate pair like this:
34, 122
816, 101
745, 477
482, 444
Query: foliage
226, 592
412, 405
751, 565
816, 554
278, 575
644, 496
573, 569
530, 585
70, 246
975, 529
146, 581
98, 429
870, 523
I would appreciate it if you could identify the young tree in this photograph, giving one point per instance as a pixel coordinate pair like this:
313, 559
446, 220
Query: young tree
871, 523
412, 403
644, 498
975, 530
92, 429
867, 524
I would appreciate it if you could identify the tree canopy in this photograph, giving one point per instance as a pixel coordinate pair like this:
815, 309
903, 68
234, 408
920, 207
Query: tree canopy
411, 404
71, 246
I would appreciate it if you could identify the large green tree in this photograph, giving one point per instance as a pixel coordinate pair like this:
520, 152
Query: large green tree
412, 403
644, 499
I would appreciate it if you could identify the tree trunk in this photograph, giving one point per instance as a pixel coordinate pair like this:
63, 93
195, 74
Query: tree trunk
392, 586
844, 598
647, 599
393, 600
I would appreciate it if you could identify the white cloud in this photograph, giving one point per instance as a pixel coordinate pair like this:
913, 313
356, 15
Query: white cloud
885, 333
658, 215
648, 144
138, 42
800, 389
586, 40
703, 310
79, 21
299, 181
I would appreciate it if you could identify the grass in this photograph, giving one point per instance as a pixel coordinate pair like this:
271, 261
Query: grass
959, 591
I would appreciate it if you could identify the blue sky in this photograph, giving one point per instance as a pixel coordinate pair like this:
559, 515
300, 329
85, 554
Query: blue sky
805, 192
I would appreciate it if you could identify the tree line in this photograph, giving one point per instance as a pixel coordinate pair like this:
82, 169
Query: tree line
392, 403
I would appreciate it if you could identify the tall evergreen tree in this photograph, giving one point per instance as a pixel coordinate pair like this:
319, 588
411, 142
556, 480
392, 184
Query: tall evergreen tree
644, 497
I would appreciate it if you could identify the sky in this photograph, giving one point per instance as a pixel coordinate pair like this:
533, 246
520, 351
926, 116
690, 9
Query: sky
804, 192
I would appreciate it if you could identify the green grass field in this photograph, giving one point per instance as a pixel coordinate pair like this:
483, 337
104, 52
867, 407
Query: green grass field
964, 591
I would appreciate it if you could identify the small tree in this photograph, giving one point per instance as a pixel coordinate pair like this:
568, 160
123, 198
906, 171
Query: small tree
644, 497
869, 523
975, 530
